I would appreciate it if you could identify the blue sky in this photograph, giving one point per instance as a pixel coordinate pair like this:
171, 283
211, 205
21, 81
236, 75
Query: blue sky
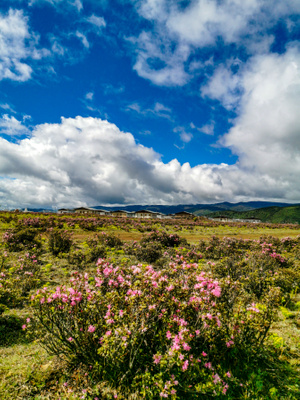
148, 101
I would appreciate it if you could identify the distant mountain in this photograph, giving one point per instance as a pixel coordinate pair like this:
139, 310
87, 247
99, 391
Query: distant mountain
289, 214
198, 209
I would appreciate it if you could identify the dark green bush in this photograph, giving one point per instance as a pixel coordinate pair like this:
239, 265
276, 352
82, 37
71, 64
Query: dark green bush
59, 241
164, 238
109, 240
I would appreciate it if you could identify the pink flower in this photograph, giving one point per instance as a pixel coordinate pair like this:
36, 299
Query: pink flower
28, 320
24, 326
169, 335
186, 346
169, 288
157, 358
217, 291
204, 354
70, 339
185, 365
91, 329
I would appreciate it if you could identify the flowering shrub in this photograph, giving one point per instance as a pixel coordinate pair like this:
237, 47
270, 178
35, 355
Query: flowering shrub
216, 248
17, 240
17, 281
259, 270
168, 333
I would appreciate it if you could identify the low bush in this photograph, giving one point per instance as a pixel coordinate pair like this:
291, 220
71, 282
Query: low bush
148, 252
170, 333
59, 241
258, 271
17, 240
109, 240
164, 238
18, 280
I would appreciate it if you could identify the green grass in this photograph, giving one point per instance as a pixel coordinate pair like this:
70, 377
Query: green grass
27, 372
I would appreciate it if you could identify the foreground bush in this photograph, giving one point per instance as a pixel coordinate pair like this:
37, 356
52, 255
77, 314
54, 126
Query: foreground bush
174, 333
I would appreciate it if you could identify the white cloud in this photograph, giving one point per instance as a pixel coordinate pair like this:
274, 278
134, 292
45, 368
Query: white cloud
185, 136
157, 62
43, 170
98, 22
7, 107
83, 39
224, 86
12, 127
163, 54
77, 4
157, 110
266, 134
15, 46
89, 96
208, 129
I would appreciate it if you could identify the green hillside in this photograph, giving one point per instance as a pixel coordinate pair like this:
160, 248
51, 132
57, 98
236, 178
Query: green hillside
280, 215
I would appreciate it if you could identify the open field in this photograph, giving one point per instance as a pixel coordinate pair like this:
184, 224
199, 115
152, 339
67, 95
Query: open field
184, 309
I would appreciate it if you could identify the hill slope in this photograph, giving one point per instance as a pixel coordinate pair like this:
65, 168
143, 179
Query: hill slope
280, 215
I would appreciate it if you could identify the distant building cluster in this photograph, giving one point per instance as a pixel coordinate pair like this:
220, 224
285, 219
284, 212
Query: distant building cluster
125, 214
146, 214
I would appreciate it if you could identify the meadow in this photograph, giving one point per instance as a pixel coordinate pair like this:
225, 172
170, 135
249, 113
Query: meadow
119, 308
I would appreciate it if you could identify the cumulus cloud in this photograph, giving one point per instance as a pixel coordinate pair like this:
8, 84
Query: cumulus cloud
44, 169
165, 55
269, 120
18, 47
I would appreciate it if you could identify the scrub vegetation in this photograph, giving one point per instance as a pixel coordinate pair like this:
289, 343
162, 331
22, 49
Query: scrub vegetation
119, 308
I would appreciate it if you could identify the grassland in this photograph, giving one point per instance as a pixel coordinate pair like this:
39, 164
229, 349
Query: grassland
29, 371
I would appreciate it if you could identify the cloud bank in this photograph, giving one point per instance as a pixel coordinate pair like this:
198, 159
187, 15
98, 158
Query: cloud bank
90, 161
